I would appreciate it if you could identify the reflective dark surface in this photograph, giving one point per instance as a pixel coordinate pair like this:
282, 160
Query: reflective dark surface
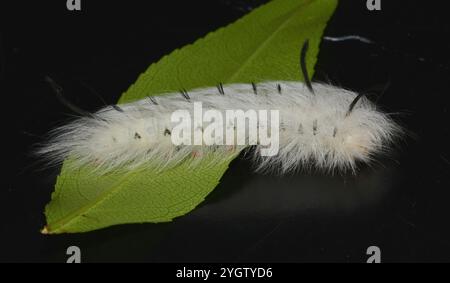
399, 204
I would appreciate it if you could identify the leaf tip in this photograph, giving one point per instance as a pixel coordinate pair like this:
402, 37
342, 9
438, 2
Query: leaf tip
45, 231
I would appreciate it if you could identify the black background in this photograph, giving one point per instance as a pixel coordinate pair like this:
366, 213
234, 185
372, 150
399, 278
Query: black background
399, 204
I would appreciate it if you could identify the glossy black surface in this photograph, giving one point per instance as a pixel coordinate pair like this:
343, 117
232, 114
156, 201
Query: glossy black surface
399, 204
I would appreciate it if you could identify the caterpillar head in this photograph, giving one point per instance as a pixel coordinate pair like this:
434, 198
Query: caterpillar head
334, 129
331, 129
348, 128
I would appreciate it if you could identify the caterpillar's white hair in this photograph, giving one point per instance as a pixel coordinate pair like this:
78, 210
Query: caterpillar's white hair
317, 130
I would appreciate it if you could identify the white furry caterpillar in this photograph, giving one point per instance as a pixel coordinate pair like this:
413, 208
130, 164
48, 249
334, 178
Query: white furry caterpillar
321, 125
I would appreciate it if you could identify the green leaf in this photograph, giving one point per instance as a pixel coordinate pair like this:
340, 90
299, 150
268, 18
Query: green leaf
264, 45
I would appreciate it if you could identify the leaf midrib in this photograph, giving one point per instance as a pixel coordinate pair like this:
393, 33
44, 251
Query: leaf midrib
267, 41
66, 220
